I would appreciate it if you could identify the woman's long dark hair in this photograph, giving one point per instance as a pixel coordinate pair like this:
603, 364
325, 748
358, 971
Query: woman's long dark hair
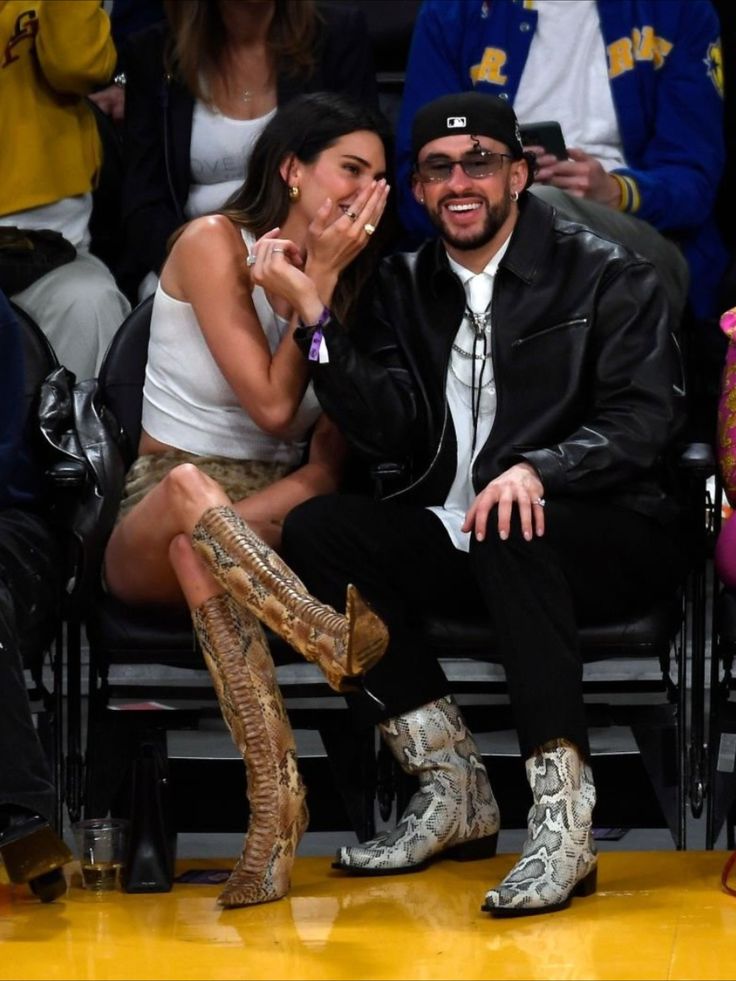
198, 37
305, 127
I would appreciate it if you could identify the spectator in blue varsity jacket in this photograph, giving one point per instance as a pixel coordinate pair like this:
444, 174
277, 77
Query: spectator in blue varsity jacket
30, 848
637, 86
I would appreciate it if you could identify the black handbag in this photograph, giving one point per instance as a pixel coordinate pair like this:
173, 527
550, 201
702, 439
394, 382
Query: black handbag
27, 254
149, 866
82, 453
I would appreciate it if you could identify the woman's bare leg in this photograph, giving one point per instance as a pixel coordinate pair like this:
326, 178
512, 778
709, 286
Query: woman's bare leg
137, 561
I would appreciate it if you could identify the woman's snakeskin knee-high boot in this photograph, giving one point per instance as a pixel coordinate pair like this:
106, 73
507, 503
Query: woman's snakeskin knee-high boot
238, 659
344, 647
559, 859
453, 814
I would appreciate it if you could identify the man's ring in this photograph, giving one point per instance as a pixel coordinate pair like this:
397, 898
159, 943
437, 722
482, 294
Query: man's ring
251, 259
368, 228
351, 215
539, 501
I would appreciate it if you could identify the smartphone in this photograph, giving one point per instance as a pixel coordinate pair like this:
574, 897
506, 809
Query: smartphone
547, 134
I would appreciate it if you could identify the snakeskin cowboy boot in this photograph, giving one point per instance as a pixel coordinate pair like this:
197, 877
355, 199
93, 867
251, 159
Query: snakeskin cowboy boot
559, 859
453, 814
244, 677
344, 647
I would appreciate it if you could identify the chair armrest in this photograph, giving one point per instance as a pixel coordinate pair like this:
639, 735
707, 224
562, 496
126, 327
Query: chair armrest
697, 456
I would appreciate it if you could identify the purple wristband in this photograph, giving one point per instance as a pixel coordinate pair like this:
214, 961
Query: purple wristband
317, 335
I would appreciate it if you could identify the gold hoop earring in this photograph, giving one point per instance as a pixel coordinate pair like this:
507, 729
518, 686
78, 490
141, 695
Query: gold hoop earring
294, 193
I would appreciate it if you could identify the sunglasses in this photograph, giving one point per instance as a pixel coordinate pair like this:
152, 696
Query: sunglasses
476, 165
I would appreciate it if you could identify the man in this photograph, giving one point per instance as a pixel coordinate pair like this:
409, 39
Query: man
637, 86
29, 561
522, 371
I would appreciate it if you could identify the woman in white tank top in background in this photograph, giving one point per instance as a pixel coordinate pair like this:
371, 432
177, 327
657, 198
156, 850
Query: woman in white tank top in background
200, 90
227, 412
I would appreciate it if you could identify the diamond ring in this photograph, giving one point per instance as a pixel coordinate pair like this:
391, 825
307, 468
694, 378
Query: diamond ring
368, 228
539, 501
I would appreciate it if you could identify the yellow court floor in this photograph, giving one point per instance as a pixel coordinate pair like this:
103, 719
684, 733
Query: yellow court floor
656, 915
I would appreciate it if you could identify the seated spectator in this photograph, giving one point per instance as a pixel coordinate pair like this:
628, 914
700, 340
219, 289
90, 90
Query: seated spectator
199, 94
29, 562
227, 413
638, 89
521, 373
55, 53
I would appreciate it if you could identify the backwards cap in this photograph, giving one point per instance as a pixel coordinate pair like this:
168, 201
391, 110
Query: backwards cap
475, 113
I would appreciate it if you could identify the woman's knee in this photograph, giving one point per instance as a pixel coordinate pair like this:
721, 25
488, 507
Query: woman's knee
189, 490
182, 556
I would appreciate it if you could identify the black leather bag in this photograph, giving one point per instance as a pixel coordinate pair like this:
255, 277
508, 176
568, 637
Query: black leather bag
149, 866
82, 453
28, 254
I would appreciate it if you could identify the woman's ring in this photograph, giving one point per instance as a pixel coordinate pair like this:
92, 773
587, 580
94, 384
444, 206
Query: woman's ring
539, 501
277, 249
251, 259
351, 215
368, 228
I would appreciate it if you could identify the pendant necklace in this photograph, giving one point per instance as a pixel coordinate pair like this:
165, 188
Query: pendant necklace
481, 325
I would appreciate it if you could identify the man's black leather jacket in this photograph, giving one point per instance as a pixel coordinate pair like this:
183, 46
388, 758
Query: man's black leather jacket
589, 382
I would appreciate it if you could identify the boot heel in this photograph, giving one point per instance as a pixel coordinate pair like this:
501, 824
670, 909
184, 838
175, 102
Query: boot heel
588, 885
35, 855
368, 636
470, 851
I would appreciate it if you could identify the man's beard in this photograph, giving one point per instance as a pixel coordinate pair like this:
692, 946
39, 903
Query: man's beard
496, 215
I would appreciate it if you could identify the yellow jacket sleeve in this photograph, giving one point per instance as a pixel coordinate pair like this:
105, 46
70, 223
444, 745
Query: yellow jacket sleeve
74, 45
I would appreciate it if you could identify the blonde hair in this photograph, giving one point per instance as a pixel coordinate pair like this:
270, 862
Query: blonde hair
198, 38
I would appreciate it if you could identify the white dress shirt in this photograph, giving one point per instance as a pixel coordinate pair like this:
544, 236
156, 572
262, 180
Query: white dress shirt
470, 370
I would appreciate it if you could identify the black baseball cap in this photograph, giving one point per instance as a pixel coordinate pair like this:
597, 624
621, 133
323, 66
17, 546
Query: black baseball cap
476, 113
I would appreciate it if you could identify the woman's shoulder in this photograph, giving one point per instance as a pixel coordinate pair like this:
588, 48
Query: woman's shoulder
207, 243
210, 232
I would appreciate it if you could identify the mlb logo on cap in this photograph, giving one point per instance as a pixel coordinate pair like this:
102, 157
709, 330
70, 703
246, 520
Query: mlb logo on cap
466, 112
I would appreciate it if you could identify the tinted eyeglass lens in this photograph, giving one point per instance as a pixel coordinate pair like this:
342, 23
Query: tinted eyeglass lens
474, 165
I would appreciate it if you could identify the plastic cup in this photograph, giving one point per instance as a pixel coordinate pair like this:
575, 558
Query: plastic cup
102, 845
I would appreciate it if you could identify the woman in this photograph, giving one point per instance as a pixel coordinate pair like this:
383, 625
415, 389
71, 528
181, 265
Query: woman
200, 92
225, 377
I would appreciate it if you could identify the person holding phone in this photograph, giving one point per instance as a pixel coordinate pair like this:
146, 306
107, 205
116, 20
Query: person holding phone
637, 88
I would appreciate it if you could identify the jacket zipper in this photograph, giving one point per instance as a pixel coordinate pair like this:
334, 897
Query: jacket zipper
549, 330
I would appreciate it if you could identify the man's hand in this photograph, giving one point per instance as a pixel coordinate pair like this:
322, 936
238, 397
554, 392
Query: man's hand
581, 175
518, 485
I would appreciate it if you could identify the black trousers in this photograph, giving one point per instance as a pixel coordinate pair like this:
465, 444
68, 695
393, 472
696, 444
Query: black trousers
29, 563
594, 562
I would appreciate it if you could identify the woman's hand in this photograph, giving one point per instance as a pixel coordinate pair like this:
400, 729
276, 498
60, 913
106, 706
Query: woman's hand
276, 264
335, 237
519, 485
